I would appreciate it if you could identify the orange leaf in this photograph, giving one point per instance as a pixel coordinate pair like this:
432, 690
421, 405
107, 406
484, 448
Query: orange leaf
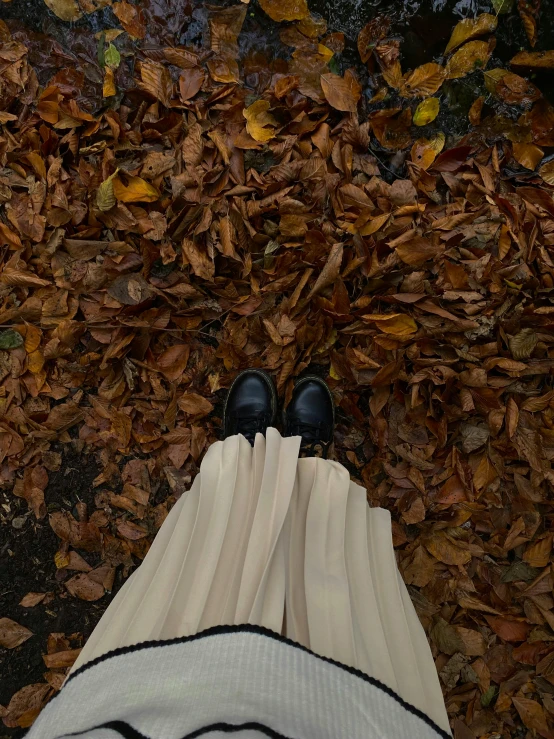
397, 324
508, 630
447, 549
136, 190
471, 28
423, 81
285, 10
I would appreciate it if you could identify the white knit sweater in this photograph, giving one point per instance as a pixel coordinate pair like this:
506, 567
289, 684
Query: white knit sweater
240, 680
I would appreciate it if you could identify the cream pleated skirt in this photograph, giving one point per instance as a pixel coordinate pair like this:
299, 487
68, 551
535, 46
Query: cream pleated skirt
288, 544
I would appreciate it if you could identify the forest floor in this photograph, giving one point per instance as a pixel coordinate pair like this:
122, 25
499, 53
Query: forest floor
187, 190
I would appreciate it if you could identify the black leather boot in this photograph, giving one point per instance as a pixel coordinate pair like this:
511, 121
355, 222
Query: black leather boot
311, 415
251, 405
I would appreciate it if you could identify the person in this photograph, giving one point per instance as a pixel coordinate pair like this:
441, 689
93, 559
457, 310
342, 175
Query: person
269, 605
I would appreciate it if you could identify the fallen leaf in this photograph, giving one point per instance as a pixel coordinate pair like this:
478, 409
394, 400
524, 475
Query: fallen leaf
342, 93
32, 599
423, 81
471, 28
66, 10
83, 587
528, 155
108, 89
426, 112
259, 123
330, 272
134, 190
425, 151
533, 716
195, 404
472, 57
533, 60
12, 634
130, 18
447, 549
26, 704
397, 324
547, 172
285, 10
510, 631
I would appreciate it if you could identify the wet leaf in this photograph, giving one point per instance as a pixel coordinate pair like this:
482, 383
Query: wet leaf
130, 18
472, 57
12, 634
285, 10
112, 57
342, 93
502, 7
423, 81
425, 151
105, 196
533, 60
108, 90
260, 124
471, 28
426, 112
66, 10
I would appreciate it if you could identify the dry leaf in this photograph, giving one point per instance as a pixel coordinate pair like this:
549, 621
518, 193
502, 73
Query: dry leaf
528, 155
330, 273
134, 190
83, 587
259, 123
130, 18
12, 634
32, 599
447, 549
547, 172
397, 324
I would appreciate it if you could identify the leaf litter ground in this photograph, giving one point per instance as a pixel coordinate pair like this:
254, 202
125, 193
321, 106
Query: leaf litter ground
178, 205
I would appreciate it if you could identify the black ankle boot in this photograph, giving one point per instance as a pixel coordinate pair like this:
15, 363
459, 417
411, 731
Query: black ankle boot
251, 405
311, 415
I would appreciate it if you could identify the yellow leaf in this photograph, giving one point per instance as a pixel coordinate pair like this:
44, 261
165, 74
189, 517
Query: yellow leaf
493, 77
374, 225
471, 28
397, 324
342, 93
423, 81
426, 112
469, 58
285, 10
528, 155
136, 190
61, 560
35, 362
325, 52
105, 198
475, 111
109, 88
33, 336
547, 172
534, 59
66, 10
259, 123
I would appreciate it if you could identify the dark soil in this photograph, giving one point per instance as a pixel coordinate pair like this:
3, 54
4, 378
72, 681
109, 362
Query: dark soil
27, 552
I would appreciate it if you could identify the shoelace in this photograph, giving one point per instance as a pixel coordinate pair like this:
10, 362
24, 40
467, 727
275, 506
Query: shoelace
249, 426
311, 434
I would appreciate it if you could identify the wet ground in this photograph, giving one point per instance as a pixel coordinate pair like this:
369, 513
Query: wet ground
424, 26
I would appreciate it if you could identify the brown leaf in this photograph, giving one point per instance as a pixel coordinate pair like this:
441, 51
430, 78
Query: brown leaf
58, 660
533, 716
538, 553
285, 10
130, 18
12, 634
26, 704
470, 58
156, 80
447, 549
190, 82
423, 81
195, 404
201, 264
342, 93
510, 631
131, 289
32, 599
330, 272
534, 60
81, 586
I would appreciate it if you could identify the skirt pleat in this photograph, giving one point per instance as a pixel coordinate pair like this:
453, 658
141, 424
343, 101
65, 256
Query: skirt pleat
288, 544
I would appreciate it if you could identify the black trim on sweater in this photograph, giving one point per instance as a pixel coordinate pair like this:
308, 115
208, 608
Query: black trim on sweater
261, 631
128, 732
